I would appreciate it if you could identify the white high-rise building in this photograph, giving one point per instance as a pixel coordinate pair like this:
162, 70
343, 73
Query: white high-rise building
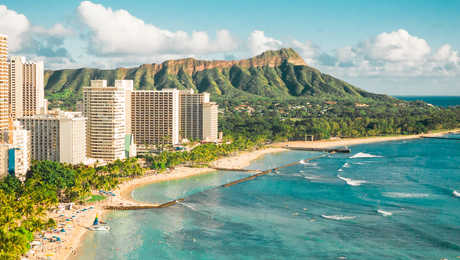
34, 91
210, 121
57, 136
107, 112
16, 86
19, 140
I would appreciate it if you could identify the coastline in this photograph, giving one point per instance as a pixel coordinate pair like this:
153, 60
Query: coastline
240, 160
331, 143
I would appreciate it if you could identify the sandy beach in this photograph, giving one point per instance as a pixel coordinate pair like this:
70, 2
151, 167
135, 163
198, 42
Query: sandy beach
72, 239
355, 141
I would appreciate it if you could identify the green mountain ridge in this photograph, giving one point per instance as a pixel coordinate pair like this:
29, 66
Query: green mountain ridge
273, 74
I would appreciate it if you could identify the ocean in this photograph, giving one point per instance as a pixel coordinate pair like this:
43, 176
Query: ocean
392, 200
442, 101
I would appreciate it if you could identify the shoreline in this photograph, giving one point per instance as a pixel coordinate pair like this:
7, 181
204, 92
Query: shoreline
239, 160
332, 143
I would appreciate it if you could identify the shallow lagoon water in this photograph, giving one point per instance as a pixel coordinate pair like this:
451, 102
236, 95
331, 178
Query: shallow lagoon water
395, 202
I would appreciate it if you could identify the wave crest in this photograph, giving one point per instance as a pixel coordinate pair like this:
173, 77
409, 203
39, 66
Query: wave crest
351, 182
384, 213
456, 193
404, 195
364, 155
338, 217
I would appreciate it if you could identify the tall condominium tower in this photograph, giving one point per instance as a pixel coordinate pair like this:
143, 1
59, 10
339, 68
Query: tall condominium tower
155, 118
210, 122
191, 114
4, 82
57, 136
33, 88
16, 86
108, 123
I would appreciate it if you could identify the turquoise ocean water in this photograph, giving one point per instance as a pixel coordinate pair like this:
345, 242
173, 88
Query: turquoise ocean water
392, 200
442, 101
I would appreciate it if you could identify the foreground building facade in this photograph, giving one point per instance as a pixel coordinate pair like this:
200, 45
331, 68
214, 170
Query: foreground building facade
155, 118
210, 122
57, 136
191, 114
19, 141
108, 120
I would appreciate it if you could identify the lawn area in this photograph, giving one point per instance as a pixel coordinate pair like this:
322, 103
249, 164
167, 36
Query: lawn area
95, 197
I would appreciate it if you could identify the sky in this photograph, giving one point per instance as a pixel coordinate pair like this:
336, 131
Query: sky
391, 47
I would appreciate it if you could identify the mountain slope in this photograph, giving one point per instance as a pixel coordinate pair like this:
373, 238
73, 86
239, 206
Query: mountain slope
274, 74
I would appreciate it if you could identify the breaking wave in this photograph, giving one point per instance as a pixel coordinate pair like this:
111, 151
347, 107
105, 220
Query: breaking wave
456, 193
351, 182
404, 195
312, 177
338, 217
308, 163
346, 165
384, 213
365, 155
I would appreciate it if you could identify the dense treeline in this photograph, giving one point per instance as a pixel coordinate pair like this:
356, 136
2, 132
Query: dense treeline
24, 205
293, 119
203, 153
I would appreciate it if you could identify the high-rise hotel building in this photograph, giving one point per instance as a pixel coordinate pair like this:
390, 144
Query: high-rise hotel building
191, 114
108, 120
57, 136
210, 122
155, 118
26, 89
4, 82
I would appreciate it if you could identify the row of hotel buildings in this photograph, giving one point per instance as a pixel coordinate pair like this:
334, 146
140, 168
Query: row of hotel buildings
112, 122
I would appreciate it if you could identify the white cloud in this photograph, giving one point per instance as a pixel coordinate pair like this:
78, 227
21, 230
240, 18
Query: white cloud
397, 46
34, 41
259, 43
396, 53
117, 32
14, 25
307, 50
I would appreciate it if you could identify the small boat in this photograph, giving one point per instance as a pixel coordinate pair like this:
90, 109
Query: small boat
99, 226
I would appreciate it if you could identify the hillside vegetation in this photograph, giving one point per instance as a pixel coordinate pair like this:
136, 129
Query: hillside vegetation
273, 74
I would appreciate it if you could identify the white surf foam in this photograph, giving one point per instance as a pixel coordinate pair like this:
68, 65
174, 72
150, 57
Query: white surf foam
456, 193
351, 182
188, 206
308, 163
338, 217
312, 177
340, 170
365, 155
384, 213
404, 195
346, 165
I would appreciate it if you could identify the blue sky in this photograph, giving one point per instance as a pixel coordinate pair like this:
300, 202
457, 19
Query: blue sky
392, 47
